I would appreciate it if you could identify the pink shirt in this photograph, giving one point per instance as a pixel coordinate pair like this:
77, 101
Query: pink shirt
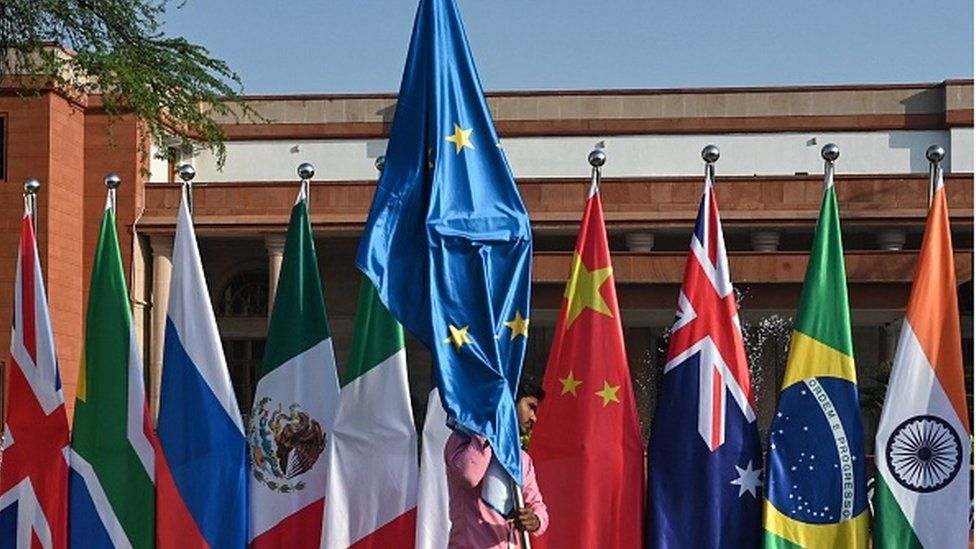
474, 525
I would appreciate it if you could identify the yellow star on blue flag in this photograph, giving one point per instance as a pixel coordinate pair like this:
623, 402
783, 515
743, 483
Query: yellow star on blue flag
461, 138
448, 235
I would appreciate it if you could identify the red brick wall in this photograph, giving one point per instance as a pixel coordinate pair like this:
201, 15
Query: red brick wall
27, 156
110, 146
69, 150
61, 230
45, 140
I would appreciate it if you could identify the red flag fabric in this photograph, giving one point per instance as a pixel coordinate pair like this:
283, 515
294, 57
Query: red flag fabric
34, 476
586, 443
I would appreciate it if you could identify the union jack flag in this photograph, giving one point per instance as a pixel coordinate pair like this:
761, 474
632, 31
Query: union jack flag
707, 322
705, 462
34, 471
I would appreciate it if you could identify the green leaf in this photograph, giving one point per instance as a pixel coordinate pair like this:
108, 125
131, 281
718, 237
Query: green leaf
176, 89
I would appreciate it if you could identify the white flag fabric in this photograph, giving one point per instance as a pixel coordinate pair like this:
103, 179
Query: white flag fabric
433, 519
371, 487
923, 440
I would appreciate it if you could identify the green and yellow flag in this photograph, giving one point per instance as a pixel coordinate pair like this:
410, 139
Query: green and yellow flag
816, 493
112, 481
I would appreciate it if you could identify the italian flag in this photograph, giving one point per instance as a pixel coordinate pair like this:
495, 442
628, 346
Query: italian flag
112, 480
294, 403
371, 493
923, 440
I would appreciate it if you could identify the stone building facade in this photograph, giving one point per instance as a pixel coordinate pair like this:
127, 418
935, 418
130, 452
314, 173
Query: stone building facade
769, 187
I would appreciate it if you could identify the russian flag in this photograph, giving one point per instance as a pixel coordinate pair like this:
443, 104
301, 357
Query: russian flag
201, 498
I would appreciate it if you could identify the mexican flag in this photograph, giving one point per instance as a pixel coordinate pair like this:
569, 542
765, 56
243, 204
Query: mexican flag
112, 481
923, 439
371, 492
816, 491
294, 403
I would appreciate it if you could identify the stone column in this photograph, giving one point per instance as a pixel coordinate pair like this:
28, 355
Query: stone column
275, 243
162, 254
764, 241
640, 242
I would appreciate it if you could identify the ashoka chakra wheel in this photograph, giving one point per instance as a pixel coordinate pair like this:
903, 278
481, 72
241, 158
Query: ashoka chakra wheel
924, 453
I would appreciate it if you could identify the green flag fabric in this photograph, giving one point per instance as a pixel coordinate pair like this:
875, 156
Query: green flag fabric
923, 441
372, 486
112, 494
294, 402
816, 494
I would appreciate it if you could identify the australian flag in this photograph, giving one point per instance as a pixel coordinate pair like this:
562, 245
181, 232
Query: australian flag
447, 242
705, 464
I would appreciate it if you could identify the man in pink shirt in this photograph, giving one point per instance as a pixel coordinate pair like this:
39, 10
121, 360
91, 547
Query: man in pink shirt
475, 525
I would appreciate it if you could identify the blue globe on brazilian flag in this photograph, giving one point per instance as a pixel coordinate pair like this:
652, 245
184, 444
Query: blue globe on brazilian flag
816, 491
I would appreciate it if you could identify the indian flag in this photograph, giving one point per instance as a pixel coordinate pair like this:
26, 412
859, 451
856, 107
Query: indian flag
112, 480
923, 440
294, 403
371, 495
816, 493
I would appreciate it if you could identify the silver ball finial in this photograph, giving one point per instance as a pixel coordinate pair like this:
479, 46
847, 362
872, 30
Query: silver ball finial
187, 172
31, 185
830, 152
380, 162
710, 154
306, 170
935, 154
112, 181
597, 158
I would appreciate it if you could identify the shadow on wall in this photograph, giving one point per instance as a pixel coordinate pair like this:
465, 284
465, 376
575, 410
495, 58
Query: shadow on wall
929, 102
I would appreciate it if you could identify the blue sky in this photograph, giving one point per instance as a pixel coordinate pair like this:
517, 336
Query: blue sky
340, 46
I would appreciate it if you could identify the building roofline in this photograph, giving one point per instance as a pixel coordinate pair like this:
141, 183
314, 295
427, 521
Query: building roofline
631, 91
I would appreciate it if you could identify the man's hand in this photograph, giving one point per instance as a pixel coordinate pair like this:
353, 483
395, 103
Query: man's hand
527, 520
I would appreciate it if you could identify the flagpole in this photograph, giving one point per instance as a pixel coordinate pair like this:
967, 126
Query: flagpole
597, 158
520, 504
935, 154
305, 172
710, 155
187, 173
112, 181
31, 187
830, 153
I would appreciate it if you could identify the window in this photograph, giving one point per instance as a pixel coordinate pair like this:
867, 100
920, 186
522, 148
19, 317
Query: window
242, 312
245, 295
244, 362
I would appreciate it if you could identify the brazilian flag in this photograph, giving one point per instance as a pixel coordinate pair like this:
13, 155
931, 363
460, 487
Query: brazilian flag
816, 492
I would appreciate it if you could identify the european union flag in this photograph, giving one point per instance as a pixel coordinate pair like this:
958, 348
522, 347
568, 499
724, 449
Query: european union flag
447, 242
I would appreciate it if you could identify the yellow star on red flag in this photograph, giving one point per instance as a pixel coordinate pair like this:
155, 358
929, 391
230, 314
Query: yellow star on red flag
569, 384
608, 393
583, 290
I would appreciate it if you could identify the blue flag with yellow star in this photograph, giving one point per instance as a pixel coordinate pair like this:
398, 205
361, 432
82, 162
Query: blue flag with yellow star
447, 242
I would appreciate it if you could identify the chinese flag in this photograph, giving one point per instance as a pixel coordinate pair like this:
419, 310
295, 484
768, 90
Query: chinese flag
586, 444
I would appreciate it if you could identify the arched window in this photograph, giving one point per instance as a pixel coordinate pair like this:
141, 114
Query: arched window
245, 295
242, 314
